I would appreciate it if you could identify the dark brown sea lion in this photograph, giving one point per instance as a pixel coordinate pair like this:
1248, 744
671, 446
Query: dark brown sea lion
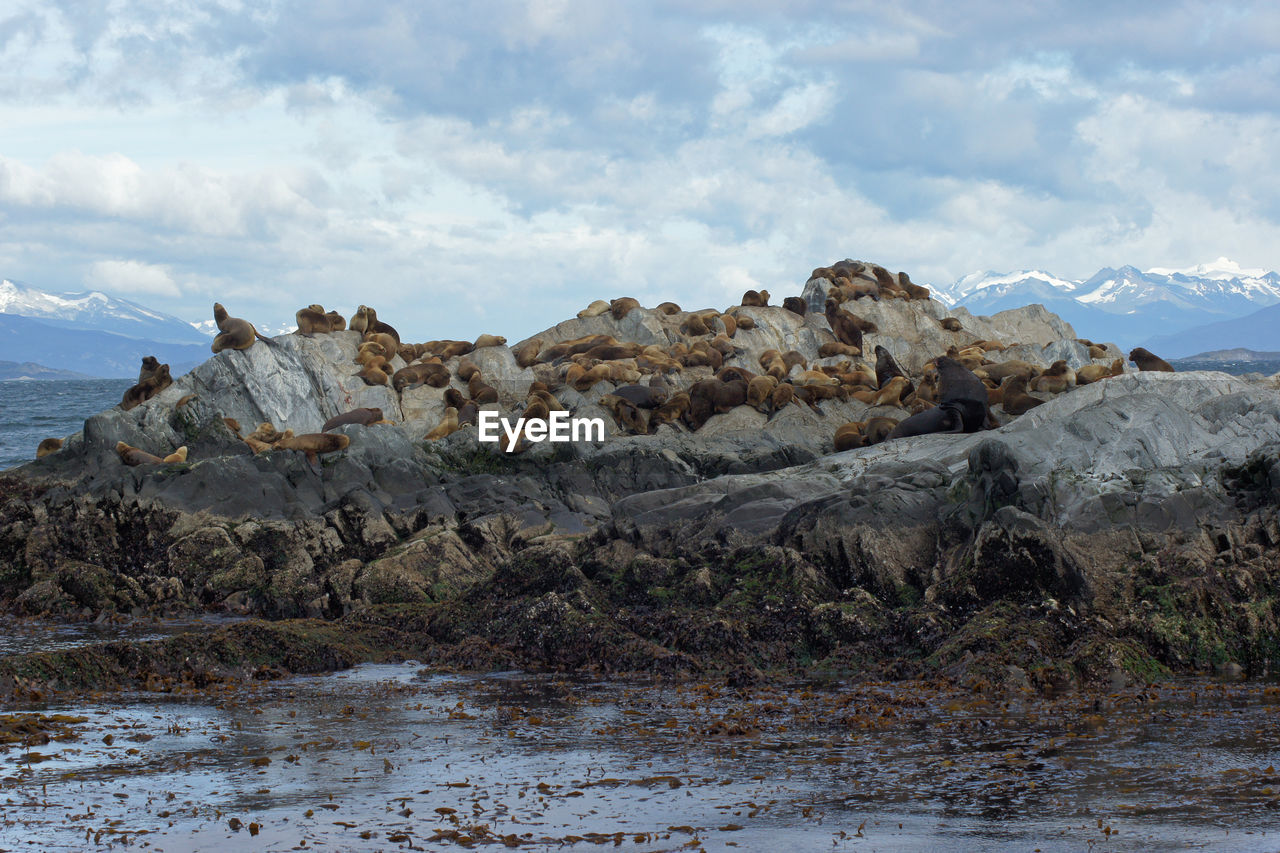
626, 414
962, 404
667, 308
755, 299
1149, 361
848, 436
147, 388
364, 417
951, 324
887, 368
150, 364
796, 305
622, 306
843, 326
527, 353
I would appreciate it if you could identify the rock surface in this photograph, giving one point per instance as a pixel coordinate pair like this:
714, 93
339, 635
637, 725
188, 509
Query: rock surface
1124, 529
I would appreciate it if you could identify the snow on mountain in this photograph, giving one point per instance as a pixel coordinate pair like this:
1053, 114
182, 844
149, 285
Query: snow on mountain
210, 328
94, 310
1126, 305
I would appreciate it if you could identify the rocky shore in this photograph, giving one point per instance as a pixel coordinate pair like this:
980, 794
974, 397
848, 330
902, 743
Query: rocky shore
1121, 531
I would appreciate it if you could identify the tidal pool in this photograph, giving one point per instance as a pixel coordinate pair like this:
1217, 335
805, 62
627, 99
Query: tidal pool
385, 757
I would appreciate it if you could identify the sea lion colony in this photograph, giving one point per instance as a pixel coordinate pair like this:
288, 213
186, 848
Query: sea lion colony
685, 383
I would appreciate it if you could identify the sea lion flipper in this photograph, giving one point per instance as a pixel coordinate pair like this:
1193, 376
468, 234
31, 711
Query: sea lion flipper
265, 339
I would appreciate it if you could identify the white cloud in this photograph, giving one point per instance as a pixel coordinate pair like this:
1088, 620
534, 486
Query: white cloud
132, 277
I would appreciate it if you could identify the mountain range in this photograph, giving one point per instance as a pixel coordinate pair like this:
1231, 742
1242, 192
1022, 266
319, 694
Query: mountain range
1131, 307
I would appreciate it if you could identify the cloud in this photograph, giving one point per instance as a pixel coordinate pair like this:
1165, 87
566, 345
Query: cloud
132, 277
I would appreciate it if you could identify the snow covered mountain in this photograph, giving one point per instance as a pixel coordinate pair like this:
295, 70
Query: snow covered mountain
94, 310
1125, 305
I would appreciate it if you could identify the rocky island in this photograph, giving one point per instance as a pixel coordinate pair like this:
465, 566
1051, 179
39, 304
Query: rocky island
1114, 531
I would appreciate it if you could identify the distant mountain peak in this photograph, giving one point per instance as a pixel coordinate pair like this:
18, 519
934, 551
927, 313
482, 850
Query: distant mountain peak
1222, 268
93, 309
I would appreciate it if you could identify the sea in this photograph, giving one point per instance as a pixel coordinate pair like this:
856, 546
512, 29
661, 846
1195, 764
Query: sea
31, 411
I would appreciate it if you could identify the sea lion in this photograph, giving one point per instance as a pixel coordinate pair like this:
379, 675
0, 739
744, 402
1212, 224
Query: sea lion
267, 432
951, 324
420, 373
337, 323
730, 323
480, 391
186, 398
490, 341
962, 404
694, 326
313, 319
447, 426
834, 348
891, 393
760, 391
595, 309
1058, 377
133, 456
755, 299
376, 371
467, 369
887, 368
914, 291
796, 305
365, 320
526, 354
1090, 373
49, 445
235, 333
848, 436
842, 325
1149, 361
1015, 399
233, 425
150, 364
147, 388
782, 396
670, 411
643, 396
667, 308
744, 321
877, 429
313, 443
622, 306
363, 416
626, 414
1096, 351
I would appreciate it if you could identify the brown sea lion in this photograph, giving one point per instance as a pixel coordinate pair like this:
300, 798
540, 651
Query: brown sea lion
235, 333
843, 326
892, 392
595, 309
694, 326
1090, 373
1148, 361
312, 320
337, 323
796, 305
667, 308
670, 411
376, 371
1015, 400
951, 324
755, 299
490, 341
133, 456
782, 396
834, 348
914, 291
447, 426
47, 446
147, 388
313, 443
848, 436
365, 320
626, 414
622, 306
184, 399
744, 321
876, 430
1057, 377
467, 369
363, 416
526, 354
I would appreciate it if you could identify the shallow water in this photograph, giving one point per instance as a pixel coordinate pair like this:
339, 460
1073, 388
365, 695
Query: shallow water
383, 757
21, 636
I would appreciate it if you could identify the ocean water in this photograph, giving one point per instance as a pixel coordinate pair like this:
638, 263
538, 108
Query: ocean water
33, 411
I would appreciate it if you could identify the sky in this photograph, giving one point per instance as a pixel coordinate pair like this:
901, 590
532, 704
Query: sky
495, 166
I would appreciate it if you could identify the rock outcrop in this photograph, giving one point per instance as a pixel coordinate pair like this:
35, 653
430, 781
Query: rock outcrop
1119, 530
